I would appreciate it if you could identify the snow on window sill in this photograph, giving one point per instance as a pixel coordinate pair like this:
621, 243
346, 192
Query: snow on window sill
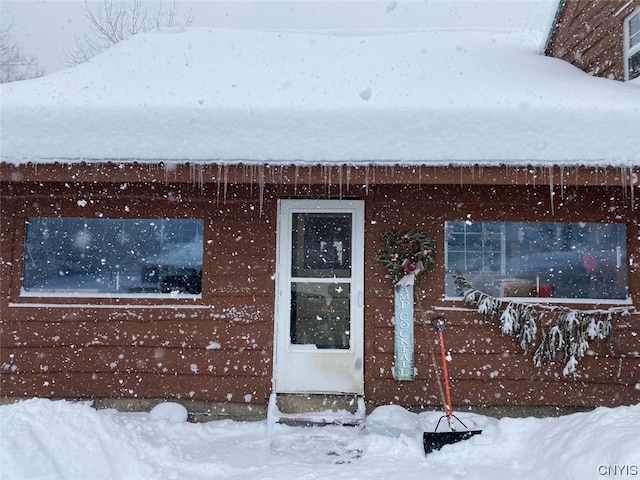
93, 300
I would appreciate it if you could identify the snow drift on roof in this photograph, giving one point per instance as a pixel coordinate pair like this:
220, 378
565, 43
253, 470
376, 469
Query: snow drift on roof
433, 97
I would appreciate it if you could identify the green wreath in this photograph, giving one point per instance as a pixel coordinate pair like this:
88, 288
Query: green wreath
409, 253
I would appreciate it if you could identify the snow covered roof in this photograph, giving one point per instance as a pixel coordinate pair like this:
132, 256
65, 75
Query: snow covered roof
445, 97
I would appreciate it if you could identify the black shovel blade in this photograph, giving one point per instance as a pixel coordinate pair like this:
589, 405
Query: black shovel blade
436, 440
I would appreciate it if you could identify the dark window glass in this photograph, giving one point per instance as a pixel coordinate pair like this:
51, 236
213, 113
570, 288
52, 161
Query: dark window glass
321, 314
93, 256
321, 274
529, 259
321, 245
634, 66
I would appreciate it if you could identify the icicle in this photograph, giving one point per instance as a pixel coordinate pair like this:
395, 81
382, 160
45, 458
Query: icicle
254, 177
248, 177
627, 173
218, 184
623, 182
340, 182
261, 186
534, 172
327, 179
225, 171
295, 179
348, 177
633, 183
551, 191
366, 179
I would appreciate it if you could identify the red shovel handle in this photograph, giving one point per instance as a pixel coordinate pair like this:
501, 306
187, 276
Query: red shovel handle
440, 323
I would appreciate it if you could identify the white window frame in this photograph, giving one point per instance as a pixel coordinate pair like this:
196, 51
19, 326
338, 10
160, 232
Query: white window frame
630, 51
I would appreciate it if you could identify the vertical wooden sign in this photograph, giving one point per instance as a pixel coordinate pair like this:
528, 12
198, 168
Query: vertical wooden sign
403, 352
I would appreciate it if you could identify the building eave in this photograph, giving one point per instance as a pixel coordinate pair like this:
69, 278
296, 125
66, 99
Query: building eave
368, 174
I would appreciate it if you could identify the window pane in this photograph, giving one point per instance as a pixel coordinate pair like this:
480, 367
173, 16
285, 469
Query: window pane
525, 259
320, 314
474, 246
113, 256
321, 245
634, 66
634, 30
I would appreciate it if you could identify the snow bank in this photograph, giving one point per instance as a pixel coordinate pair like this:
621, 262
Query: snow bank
433, 97
44, 439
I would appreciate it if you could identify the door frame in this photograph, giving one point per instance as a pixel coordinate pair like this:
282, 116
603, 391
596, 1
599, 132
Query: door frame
287, 357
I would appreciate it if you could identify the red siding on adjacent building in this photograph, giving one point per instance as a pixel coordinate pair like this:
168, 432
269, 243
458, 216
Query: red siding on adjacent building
590, 35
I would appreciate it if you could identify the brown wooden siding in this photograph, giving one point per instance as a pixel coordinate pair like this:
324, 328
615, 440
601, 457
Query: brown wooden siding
216, 348
589, 34
488, 368
220, 347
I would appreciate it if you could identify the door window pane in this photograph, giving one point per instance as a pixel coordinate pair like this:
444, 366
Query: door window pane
531, 259
321, 245
320, 314
112, 256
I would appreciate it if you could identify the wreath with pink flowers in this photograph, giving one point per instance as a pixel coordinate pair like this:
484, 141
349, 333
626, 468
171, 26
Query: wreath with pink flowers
407, 254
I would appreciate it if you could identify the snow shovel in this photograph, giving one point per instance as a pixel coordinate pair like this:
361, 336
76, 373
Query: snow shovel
436, 440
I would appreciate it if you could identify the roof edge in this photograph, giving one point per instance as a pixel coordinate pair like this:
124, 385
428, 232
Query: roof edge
200, 174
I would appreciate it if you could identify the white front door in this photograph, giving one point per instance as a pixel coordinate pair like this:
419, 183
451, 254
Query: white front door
319, 297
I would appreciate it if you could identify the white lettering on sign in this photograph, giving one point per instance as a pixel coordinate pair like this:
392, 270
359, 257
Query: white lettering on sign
403, 352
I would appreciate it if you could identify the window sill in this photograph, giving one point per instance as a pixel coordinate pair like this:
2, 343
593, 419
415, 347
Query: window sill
556, 300
88, 299
116, 306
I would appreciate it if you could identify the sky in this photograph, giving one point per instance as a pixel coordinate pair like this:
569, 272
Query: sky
46, 29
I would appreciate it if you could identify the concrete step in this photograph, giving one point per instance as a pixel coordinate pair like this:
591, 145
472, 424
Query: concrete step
316, 409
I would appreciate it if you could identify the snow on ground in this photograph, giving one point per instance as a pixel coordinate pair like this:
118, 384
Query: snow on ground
43, 439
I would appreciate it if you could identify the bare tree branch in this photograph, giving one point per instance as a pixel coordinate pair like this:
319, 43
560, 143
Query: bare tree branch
14, 65
112, 22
